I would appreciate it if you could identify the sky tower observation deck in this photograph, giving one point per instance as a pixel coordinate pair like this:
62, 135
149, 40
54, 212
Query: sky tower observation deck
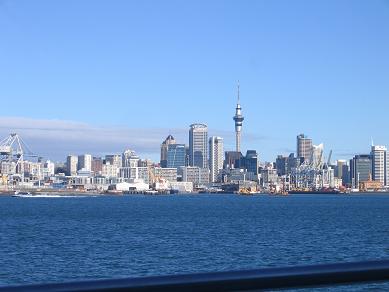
238, 118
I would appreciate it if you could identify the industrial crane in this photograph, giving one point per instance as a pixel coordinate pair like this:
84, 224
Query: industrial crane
13, 150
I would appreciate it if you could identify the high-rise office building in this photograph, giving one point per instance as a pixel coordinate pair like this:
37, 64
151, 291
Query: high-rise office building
342, 171
293, 163
130, 159
282, 165
251, 161
176, 155
97, 165
304, 148
164, 147
339, 168
233, 160
317, 158
379, 157
360, 169
216, 153
238, 118
198, 176
85, 162
198, 145
71, 165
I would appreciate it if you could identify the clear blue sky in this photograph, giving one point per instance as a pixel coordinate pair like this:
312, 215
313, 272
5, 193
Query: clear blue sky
314, 67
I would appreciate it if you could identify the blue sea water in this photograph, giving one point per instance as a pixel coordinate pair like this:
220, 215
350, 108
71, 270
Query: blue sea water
68, 239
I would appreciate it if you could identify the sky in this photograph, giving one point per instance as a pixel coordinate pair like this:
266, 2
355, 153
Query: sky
99, 77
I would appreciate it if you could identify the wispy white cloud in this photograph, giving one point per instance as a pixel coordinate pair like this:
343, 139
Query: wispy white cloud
55, 139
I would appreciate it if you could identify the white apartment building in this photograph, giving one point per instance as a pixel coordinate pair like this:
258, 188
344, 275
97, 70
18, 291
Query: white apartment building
216, 157
380, 161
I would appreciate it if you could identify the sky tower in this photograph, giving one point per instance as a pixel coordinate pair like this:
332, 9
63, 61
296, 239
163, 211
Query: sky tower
238, 118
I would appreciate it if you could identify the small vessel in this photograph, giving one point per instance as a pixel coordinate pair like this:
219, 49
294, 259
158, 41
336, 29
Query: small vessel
22, 194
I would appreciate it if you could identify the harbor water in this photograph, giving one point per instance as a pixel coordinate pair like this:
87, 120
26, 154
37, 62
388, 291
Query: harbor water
80, 238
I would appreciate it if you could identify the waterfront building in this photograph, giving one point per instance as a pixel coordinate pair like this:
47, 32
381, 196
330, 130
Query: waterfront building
176, 155
236, 175
198, 145
370, 185
167, 174
181, 186
132, 185
360, 169
380, 167
269, 177
304, 148
164, 148
216, 152
81, 182
198, 176
131, 173
238, 119
85, 162
71, 165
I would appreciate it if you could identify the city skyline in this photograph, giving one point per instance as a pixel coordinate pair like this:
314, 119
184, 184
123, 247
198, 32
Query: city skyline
145, 144
112, 79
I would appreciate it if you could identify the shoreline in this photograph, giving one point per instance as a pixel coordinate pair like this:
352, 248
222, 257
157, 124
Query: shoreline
95, 194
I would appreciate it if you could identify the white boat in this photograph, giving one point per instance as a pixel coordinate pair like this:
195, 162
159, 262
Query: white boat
22, 194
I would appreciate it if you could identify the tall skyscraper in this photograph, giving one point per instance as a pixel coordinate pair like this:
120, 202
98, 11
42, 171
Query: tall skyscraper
85, 162
317, 158
380, 167
360, 169
339, 168
238, 118
304, 148
71, 165
164, 146
216, 153
198, 145
176, 155
282, 165
342, 171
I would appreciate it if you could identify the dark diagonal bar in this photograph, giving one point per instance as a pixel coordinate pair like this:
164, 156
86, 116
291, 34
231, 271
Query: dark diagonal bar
270, 278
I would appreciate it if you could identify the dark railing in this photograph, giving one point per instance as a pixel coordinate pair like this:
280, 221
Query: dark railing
270, 278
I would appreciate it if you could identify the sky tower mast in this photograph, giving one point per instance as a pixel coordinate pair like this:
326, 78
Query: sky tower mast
238, 118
